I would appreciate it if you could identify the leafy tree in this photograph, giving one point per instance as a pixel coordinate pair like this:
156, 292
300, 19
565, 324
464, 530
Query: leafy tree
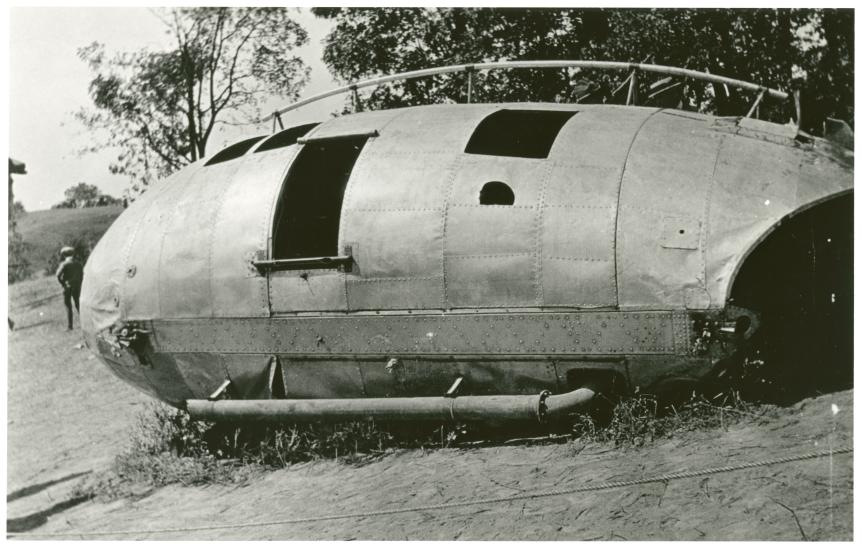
789, 49
18, 209
84, 195
160, 108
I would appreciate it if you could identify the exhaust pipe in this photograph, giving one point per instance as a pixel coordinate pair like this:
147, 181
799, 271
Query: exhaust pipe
468, 408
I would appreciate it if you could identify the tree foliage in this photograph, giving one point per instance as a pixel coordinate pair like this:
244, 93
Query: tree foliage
160, 108
84, 195
789, 49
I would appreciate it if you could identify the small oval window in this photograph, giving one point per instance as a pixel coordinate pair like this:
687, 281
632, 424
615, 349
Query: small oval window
496, 192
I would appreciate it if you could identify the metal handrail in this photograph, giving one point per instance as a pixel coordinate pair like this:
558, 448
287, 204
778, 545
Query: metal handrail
471, 68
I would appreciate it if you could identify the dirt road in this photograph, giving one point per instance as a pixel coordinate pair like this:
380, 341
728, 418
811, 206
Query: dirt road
68, 416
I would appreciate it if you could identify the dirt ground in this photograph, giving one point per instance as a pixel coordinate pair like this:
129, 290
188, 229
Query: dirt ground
68, 416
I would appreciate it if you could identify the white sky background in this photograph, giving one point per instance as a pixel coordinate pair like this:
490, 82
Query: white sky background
48, 82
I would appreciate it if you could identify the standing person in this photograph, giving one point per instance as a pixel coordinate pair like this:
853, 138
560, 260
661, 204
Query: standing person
70, 274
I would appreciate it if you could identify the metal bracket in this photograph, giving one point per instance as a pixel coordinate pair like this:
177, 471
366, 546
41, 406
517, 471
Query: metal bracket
220, 392
315, 139
276, 117
453, 389
342, 263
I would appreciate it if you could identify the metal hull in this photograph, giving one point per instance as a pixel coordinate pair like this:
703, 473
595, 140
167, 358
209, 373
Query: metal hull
616, 260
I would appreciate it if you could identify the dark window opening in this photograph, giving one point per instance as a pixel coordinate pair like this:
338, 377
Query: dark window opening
496, 192
233, 151
310, 204
516, 133
285, 138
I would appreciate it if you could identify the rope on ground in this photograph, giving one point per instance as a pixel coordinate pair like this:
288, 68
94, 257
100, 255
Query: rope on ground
445, 505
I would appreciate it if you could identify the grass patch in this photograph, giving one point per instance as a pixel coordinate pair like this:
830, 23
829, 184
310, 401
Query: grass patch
642, 418
44, 232
167, 447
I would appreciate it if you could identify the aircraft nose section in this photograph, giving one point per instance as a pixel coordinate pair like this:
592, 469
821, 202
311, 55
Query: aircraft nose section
101, 290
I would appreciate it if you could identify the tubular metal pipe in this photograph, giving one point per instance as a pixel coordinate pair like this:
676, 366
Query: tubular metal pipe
467, 408
601, 65
565, 403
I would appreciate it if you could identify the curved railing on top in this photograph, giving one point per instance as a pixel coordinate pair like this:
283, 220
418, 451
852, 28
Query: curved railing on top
633, 68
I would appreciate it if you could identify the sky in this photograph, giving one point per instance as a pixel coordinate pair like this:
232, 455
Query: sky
48, 83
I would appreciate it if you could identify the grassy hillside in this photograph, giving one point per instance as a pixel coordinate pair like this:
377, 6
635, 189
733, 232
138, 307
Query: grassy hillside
45, 231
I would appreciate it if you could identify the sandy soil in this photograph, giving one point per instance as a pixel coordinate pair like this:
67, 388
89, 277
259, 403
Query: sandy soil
68, 416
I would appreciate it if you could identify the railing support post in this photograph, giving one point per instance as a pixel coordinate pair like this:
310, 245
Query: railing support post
469, 70
357, 104
756, 106
632, 98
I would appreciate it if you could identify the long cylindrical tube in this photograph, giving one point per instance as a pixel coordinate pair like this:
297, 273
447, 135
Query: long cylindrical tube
467, 408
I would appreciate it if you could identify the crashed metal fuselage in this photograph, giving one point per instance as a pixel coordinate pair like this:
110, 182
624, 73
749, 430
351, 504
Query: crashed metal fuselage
613, 258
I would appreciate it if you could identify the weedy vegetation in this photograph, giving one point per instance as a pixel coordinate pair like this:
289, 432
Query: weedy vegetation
167, 447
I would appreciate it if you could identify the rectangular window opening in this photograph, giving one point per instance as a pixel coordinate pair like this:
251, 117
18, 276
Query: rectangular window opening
309, 211
518, 133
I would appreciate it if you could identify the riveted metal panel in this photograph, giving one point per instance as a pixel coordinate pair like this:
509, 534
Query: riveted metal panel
382, 293
184, 265
312, 290
599, 136
582, 185
583, 234
241, 231
141, 260
433, 128
577, 246
669, 173
582, 281
525, 176
490, 230
583, 333
395, 243
491, 280
398, 180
